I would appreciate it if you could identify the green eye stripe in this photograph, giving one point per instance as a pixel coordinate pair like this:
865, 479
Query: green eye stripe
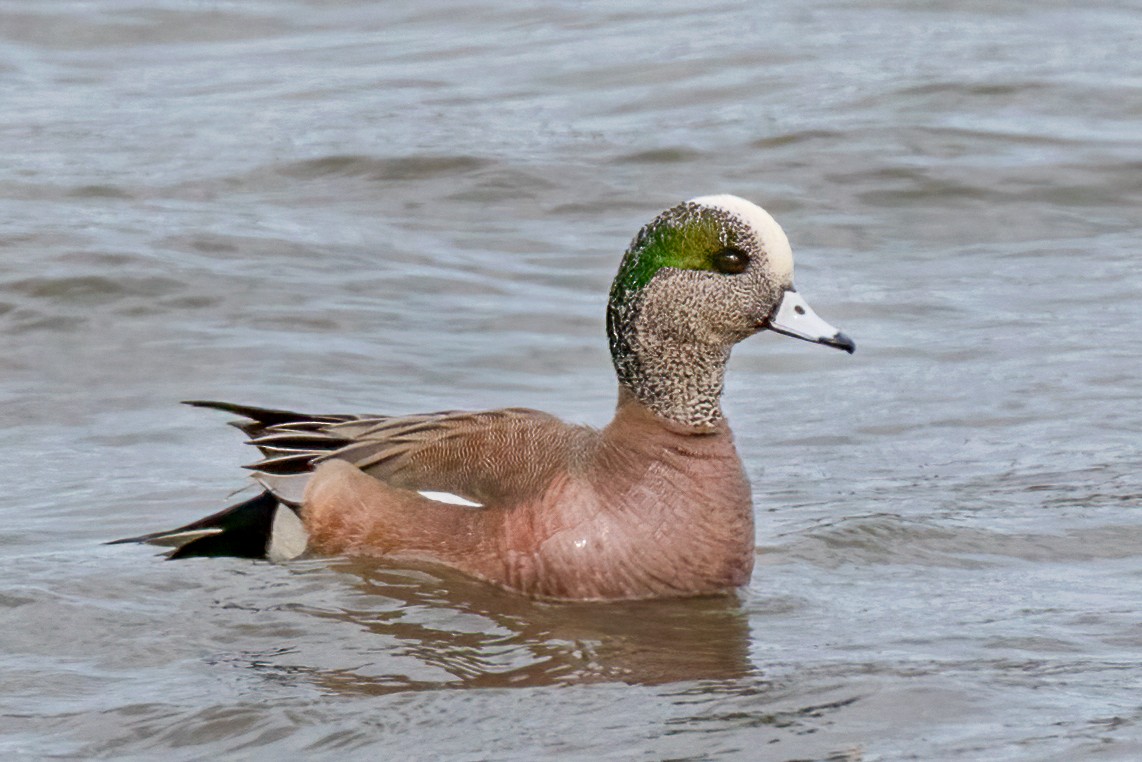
686, 238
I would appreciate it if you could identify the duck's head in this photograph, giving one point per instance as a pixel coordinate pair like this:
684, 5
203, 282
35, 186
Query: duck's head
699, 278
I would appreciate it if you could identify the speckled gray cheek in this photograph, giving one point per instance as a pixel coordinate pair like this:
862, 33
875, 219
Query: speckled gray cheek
678, 336
680, 358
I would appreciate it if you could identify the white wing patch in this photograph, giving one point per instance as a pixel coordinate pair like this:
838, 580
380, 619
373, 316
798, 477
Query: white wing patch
449, 498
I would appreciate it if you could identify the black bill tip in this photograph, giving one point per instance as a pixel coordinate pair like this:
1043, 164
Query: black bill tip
840, 341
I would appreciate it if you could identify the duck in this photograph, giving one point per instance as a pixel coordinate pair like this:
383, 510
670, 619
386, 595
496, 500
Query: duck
656, 504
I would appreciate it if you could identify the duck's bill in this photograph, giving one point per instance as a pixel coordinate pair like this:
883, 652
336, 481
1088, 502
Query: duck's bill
794, 317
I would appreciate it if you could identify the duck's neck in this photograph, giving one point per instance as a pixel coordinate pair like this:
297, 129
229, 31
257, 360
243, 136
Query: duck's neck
676, 379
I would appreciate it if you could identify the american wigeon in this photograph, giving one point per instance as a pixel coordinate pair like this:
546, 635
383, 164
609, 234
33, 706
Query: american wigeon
655, 504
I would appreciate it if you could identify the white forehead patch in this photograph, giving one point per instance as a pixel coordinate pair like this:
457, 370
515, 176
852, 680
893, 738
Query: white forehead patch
769, 233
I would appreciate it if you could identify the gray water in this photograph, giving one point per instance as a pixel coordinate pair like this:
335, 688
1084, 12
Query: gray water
400, 207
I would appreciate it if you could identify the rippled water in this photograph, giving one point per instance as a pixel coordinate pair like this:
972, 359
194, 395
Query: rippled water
397, 207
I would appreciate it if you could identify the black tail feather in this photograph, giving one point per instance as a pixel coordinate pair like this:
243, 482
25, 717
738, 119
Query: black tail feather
241, 531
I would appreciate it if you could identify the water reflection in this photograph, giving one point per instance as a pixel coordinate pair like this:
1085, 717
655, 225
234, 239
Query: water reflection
476, 636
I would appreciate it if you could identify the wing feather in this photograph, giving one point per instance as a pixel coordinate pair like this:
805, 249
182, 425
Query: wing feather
492, 457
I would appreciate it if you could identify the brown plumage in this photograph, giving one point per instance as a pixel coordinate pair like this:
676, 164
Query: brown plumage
640, 509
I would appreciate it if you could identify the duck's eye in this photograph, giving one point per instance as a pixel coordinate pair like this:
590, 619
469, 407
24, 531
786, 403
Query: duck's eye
731, 261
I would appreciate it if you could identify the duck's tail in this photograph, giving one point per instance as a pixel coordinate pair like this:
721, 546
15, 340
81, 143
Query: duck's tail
266, 526
261, 527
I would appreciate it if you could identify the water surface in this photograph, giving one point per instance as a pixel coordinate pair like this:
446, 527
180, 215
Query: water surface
399, 208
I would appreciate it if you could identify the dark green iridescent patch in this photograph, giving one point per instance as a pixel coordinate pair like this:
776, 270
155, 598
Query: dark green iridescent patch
686, 237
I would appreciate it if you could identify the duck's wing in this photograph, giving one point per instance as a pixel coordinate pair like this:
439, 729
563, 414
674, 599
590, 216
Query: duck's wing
488, 458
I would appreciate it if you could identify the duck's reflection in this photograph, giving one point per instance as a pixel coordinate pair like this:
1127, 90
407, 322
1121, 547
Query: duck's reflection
472, 635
